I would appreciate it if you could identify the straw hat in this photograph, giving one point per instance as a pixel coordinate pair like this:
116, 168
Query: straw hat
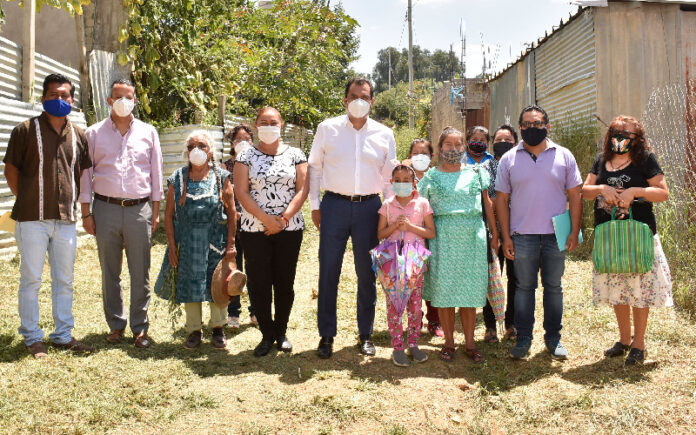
222, 293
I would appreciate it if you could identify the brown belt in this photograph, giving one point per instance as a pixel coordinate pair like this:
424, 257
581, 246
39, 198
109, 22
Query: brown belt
120, 201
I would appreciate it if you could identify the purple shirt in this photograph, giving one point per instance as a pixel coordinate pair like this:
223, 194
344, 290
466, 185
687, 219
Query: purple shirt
128, 166
537, 189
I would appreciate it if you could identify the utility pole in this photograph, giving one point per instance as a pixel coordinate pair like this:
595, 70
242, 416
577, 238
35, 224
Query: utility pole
410, 65
389, 70
28, 49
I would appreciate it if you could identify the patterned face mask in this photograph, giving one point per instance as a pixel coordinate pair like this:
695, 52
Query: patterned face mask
452, 156
621, 144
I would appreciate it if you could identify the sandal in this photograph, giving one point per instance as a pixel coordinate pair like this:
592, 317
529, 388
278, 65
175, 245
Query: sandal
491, 336
475, 355
510, 334
447, 353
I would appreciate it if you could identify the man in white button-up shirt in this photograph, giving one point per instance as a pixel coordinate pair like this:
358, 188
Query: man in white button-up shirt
351, 160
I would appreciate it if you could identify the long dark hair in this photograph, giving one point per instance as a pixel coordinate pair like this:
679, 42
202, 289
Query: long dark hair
640, 148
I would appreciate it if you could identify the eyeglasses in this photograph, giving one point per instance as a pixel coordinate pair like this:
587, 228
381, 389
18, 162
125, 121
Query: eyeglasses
536, 124
201, 145
624, 133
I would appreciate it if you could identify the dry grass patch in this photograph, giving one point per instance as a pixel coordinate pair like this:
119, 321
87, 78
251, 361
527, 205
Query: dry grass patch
120, 389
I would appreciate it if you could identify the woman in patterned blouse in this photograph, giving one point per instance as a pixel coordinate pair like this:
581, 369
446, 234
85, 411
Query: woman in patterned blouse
272, 183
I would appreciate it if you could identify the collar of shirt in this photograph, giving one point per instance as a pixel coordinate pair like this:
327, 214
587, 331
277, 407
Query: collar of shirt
115, 128
409, 204
471, 161
47, 127
365, 127
549, 144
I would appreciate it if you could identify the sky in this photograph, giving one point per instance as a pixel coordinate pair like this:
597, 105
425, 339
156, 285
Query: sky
500, 27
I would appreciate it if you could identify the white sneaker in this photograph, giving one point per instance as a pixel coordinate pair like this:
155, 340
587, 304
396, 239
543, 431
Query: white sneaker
233, 322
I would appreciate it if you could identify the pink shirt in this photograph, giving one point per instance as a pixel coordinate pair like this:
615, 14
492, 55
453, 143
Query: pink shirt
416, 210
128, 166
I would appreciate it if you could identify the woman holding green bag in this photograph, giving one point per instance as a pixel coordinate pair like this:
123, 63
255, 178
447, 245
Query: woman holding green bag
625, 180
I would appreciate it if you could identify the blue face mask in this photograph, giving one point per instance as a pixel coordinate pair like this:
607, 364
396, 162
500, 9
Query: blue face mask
57, 107
402, 189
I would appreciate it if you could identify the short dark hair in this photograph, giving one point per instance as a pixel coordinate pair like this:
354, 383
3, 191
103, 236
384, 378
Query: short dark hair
401, 167
420, 140
534, 108
360, 81
60, 79
124, 82
233, 132
509, 128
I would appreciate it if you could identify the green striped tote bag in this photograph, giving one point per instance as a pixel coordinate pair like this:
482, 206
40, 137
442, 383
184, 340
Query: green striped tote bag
623, 246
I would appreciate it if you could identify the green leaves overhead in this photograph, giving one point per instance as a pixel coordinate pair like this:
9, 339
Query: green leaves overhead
293, 56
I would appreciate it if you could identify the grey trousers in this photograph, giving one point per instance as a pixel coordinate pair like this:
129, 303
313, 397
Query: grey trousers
129, 227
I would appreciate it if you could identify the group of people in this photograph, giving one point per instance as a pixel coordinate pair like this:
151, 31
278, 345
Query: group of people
470, 209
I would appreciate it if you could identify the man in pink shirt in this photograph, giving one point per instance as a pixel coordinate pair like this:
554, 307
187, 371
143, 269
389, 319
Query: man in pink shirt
126, 180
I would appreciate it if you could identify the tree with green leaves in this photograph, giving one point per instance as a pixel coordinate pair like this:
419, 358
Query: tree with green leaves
293, 56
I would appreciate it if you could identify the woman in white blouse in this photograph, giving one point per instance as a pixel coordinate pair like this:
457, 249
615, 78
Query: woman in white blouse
271, 184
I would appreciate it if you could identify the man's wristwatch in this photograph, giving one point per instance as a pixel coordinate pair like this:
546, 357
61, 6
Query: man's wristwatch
87, 215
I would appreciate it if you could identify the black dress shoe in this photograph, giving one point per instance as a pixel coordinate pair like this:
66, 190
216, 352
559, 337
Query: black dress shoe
618, 349
264, 347
284, 344
325, 348
366, 345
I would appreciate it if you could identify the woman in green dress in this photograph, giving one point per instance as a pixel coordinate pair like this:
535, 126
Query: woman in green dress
458, 274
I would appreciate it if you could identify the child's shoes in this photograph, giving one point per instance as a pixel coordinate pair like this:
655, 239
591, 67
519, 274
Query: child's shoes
418, 355
400, 359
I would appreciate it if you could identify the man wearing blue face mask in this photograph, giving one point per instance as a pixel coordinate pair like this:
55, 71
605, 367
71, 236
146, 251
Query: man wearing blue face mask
45, 158
351, 160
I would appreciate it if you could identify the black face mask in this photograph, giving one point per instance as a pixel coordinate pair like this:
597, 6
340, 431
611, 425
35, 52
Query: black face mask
533, 136
500, 148
477, 149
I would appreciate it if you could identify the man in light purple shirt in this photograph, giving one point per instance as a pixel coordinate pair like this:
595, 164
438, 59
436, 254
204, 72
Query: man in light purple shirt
126, 180
535, 182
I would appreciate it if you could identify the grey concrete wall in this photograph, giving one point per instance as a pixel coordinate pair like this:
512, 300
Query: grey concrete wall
55, 32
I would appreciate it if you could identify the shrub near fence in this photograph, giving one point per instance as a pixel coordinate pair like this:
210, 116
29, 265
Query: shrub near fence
580, 134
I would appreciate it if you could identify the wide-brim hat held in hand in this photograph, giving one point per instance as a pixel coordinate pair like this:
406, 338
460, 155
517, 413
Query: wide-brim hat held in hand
227, 282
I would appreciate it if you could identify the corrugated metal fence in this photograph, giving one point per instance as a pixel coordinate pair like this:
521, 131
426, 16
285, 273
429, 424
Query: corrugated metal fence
12, 112
565, 71
11, 71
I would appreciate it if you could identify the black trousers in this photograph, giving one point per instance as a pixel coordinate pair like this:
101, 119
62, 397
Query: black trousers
271, 262
488, 316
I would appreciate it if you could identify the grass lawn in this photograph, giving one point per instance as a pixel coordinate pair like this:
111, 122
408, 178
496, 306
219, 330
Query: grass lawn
168, 389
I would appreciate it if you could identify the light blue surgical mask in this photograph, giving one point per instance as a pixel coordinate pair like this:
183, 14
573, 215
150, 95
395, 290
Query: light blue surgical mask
402, 189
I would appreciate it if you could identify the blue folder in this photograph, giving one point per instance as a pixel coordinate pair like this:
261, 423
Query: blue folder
562, 227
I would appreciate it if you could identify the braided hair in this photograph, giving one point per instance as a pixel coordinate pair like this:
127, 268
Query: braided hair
209, 141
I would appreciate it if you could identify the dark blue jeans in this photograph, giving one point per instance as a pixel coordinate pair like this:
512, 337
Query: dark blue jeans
534, 252
235, 306
340, 219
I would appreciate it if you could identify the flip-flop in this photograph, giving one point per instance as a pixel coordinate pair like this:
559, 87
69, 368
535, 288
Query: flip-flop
475, 355
447, 353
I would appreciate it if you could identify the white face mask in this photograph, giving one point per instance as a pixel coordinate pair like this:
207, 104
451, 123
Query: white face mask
420, 162
123, 107
241, 147
198, 157
358, 108
268, 133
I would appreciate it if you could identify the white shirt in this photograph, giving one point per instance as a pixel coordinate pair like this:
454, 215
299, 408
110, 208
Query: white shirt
349, 161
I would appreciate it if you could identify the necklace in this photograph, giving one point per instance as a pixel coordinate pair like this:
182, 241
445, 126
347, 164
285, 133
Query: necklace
621, 166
